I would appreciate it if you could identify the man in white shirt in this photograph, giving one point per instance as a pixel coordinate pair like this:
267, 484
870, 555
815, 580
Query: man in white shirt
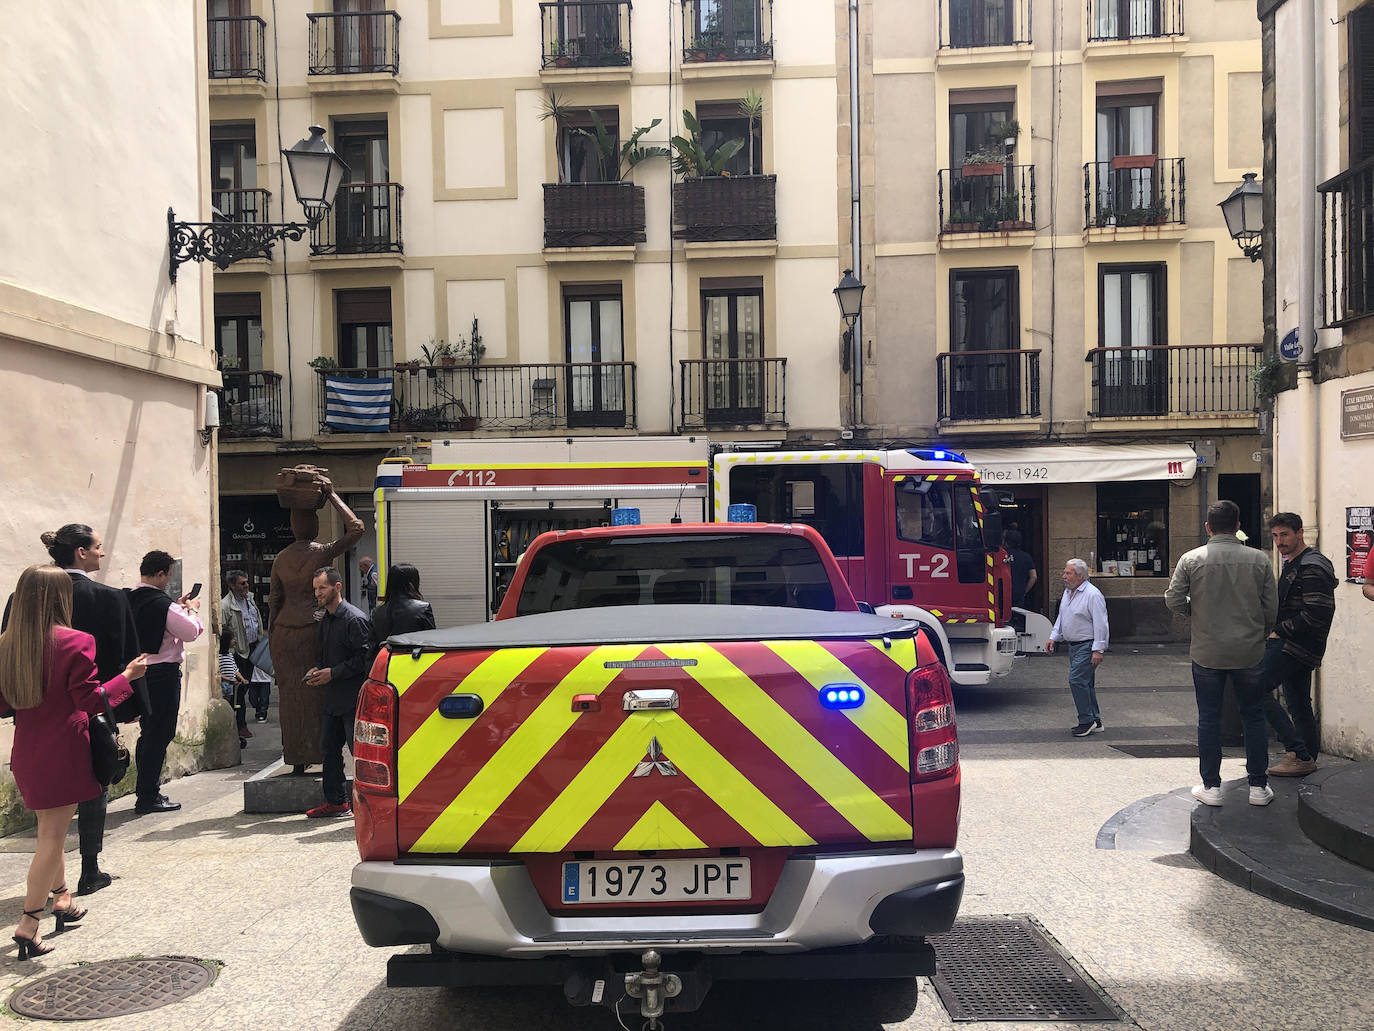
1082, 626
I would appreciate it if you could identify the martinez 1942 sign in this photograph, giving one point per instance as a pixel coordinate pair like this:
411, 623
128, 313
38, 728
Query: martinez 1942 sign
1357, 413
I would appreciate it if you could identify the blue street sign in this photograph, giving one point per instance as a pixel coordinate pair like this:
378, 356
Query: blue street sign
1290, 349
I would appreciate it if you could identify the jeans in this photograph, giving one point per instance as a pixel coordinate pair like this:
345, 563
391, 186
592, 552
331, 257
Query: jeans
1299, 734
1209, 685
1083, 681
159, 727
335, 732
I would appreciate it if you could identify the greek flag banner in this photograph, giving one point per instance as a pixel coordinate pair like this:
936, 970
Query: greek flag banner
357, 405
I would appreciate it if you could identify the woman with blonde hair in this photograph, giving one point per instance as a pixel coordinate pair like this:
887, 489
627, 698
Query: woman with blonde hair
48, 677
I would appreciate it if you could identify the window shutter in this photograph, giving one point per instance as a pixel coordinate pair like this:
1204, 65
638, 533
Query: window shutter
364, 306
1360, 72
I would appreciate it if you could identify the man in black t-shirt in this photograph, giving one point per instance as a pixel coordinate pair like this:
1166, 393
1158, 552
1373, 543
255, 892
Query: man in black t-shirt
1023, 574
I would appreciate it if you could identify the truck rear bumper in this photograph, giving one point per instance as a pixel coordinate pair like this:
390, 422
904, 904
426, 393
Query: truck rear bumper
821, 901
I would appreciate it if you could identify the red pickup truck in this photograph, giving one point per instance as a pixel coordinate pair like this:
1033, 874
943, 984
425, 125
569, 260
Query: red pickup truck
682, 755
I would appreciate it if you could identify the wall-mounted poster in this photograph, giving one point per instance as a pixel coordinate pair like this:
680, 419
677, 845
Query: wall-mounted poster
1359, 535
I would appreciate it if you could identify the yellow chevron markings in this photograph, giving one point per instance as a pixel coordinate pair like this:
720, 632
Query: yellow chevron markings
902, 651
402, 671
522, 751
434, 737
793, 744
658, 828
694, 757
876, 718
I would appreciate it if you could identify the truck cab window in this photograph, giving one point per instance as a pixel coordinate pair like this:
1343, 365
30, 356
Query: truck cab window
925, 513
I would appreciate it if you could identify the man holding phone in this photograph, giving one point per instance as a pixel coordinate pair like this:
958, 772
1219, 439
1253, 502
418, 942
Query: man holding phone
164, 627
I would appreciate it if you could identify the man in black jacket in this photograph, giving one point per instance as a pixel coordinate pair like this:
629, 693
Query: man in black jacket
1307, 604
344, 653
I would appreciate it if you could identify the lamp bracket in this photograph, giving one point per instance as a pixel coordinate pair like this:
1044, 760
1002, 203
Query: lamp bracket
226, 242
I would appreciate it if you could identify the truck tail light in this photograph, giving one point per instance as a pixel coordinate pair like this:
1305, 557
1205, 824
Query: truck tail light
930, 715
374, 739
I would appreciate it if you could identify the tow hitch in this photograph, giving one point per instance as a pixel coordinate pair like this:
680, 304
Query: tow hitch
652, 988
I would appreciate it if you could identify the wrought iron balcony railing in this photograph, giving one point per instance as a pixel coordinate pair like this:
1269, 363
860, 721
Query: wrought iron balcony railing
1347, 251
1002, 201
1188, 379
584, 34
463, 397
242, 205
250, 405
355, 41
984, 23
717, 207
366, 219
713, 30
237, 47
733, 392
1133, 190
593, 214
1134, 19
988, 384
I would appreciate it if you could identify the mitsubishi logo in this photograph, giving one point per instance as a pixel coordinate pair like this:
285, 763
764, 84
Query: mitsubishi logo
655, 762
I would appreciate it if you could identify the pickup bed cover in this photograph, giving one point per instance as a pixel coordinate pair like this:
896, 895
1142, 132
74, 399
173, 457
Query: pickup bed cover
647, 624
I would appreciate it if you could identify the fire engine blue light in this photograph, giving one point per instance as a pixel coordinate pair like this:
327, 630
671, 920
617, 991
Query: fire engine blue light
460, 706
624, 517
842, 696
741, 513
937, 455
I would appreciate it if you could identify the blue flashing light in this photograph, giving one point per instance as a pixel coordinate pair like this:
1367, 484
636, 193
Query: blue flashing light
937, 455
624, 517
842, 696
741, 513
460, 706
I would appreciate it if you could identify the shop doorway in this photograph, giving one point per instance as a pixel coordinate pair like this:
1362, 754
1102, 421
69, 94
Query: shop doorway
1024, 511
1244, 490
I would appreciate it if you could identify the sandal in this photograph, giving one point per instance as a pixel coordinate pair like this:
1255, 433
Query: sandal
32, 946
71, 914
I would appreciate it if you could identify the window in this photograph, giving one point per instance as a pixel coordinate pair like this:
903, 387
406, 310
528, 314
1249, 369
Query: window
980, 23
984, 324
238, 332
362, 207
360, 41
230, 41
971, 127
364, 319
587, 33
732, 333
827, 497
595, 335
733, 27
1126, 128
942, 515
1132, 377
1360, 73
234, 172
1125, 19
721, 122
582, 160
1133, 529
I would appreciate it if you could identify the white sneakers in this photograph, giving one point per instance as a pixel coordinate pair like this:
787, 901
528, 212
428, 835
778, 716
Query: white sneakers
1207, 796
1212, 796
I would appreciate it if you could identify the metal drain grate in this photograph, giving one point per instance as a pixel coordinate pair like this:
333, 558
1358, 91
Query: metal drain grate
1007, 968
111, 989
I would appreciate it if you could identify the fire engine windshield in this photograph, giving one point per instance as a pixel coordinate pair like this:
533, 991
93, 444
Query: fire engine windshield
724, 569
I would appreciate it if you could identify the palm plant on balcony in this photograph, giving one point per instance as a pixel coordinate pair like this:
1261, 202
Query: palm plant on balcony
621, 160
751, 107
692, 160
552, 108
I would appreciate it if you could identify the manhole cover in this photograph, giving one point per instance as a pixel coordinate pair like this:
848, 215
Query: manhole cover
1007, 968
111, 989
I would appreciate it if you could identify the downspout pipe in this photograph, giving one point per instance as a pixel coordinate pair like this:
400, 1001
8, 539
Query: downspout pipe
855, 251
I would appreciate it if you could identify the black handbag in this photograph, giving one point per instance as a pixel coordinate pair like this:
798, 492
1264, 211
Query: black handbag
109, 757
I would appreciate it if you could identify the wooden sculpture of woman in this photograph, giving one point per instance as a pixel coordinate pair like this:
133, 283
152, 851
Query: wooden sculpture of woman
294, 630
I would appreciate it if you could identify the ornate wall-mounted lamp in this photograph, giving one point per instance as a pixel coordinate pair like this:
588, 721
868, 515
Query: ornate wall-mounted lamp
316, 172
849, 295
1244, 214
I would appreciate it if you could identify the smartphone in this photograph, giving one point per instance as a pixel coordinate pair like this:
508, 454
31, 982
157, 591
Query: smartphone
195, 590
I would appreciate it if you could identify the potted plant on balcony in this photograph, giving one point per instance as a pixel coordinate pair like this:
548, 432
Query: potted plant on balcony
621, 161
991, 157
692, 160
751, 107
437, 352
1011, 220
323, 363
552, 109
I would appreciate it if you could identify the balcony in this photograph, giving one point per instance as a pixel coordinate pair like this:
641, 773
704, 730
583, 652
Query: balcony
1187, 380
593, 214
726, 392
247, 206
1118, 20
984, 385
250, 405
585, 34
1347, 249
463, 398
355, 43
237, 48
715, 32
984, 23
366, 219
1133, 190
1002, 200
711, 209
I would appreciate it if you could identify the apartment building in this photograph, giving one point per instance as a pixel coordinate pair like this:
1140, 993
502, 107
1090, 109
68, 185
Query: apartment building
494, 258
1054, 287
1318, 252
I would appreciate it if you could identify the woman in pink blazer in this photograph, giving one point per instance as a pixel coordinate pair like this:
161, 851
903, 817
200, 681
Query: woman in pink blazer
47, 675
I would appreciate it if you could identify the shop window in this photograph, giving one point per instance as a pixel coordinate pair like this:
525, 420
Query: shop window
1133, 529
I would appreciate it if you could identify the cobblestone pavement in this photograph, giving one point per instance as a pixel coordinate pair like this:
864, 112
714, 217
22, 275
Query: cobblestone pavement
1174, 946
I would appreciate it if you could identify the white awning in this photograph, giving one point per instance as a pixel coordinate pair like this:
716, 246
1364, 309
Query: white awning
1083, 463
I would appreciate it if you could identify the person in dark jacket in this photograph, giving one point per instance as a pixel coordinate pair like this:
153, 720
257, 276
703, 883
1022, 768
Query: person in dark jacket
1307, 604
405, 610
345, 638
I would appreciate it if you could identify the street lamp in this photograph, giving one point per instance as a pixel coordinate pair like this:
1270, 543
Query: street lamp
1244, 214
849, 296
316, 172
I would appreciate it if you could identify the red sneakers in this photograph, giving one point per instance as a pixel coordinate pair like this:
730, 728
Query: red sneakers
329, 809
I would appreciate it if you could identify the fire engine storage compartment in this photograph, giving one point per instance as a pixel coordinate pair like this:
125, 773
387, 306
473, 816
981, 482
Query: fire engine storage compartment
465, 519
